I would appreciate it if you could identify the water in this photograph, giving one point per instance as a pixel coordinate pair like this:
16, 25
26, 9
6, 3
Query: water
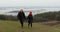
26, 10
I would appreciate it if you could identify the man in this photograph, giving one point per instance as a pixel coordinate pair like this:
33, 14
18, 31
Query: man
21, 17
30, 19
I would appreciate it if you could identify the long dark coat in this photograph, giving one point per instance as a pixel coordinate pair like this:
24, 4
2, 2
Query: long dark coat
21, 16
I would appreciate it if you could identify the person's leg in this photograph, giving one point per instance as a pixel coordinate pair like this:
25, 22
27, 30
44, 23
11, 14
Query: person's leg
21, 22
31, 23
28, 23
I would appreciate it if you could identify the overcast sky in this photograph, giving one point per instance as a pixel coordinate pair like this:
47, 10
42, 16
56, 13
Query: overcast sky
48, 3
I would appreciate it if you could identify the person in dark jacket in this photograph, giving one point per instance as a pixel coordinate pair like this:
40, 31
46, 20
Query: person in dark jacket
30, 19
21, 17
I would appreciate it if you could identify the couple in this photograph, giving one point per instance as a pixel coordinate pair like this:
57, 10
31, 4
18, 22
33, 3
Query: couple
21, 17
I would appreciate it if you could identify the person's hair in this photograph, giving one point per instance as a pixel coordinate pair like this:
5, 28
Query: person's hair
30, 14
21, 11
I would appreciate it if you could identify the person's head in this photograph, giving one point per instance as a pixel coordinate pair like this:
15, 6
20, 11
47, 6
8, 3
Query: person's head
30, 13
21, 10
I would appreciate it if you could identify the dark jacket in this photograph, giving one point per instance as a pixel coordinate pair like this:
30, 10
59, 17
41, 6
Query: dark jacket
21, 16
30, 18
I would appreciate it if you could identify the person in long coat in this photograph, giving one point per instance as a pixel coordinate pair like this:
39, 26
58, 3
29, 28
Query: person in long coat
21, 17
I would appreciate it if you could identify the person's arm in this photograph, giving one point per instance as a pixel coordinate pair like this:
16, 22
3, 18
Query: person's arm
32, 16
18, 15
24, 15
27, 17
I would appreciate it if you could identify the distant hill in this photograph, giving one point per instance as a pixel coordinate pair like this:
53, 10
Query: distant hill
48, 16
42, 17
16, 11
13, 12
25, 11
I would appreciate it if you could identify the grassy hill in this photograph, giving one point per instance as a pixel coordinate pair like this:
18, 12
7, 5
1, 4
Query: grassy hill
48, 16
14, 26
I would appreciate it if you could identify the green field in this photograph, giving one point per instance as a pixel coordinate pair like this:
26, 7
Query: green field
14, 26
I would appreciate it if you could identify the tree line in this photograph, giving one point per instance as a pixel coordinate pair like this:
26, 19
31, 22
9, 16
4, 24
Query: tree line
8, 17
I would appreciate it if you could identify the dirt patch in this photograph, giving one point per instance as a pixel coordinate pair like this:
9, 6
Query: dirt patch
51, 23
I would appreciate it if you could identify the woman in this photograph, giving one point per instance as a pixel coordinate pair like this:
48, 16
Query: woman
21, 17
30, 19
